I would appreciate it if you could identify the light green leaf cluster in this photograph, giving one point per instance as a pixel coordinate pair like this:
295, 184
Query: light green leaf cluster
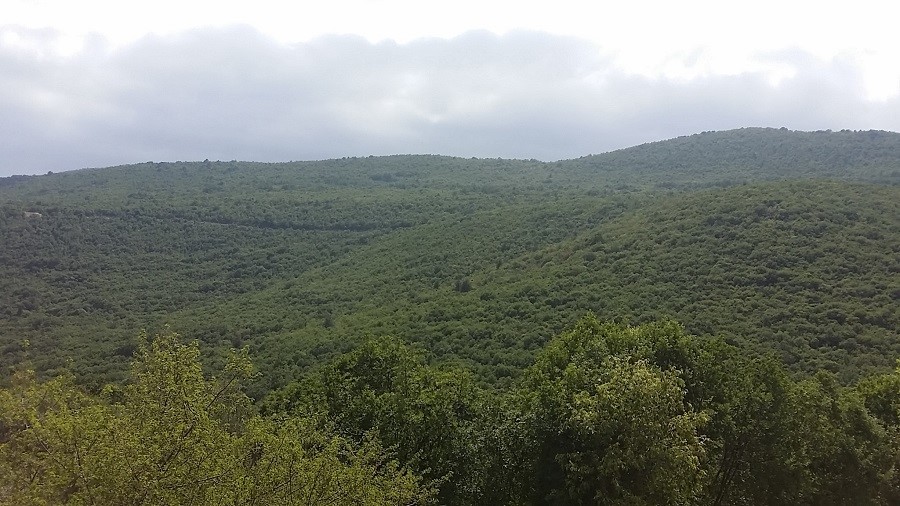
636, 413
610, 422
173, 437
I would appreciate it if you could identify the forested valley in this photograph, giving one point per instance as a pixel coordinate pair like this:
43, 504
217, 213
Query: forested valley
712, 319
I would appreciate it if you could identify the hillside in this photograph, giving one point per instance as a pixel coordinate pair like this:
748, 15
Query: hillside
752, 154
732, 233
807, 270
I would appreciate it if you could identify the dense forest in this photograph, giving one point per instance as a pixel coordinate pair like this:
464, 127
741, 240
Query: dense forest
713, 319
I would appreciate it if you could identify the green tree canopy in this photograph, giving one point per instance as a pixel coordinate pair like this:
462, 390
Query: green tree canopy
384, 387
172, 436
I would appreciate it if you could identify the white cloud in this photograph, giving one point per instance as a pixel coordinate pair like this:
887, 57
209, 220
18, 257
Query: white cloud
235, 93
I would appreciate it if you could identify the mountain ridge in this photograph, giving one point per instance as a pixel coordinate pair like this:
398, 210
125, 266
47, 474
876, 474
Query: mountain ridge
883, 139
299, 259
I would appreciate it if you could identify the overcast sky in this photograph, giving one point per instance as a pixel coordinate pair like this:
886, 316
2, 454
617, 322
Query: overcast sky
105, 82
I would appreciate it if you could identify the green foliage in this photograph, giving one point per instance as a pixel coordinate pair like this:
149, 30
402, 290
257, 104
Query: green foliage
780, 442
803, 269
635, 442
652, 415
480, 261
608, 414
881, 394
608, 424
425, 414
881, 397
845, 451
173, 437
715, 159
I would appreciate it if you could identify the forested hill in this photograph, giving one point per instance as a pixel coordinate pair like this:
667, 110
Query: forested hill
751, 154
707, 159
711, 319
481, 260
808, 270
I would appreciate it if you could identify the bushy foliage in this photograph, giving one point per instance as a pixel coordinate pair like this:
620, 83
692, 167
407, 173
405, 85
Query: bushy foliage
608, 414
426, 415
173, 437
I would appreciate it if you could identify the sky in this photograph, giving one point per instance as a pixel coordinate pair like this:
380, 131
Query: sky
104, 82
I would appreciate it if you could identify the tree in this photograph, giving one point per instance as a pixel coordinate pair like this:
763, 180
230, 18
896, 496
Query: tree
384, 387
880, 395
608, 426
173, 437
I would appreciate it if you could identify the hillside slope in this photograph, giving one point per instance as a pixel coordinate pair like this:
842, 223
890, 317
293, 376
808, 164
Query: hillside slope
751, 154
806, 270
481, 260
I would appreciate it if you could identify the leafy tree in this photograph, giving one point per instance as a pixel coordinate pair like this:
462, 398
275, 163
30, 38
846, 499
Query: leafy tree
844, 451
880, 395
384, 387
772, 440
173, 437
649, 414
608, 426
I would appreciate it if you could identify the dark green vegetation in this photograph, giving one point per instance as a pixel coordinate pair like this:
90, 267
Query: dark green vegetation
479, 260
779, 251
607, 414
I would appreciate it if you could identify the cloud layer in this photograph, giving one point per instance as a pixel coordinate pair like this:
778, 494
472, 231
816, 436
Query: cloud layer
235, 94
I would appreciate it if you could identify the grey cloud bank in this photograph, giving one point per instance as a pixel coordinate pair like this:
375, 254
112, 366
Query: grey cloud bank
234, 94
